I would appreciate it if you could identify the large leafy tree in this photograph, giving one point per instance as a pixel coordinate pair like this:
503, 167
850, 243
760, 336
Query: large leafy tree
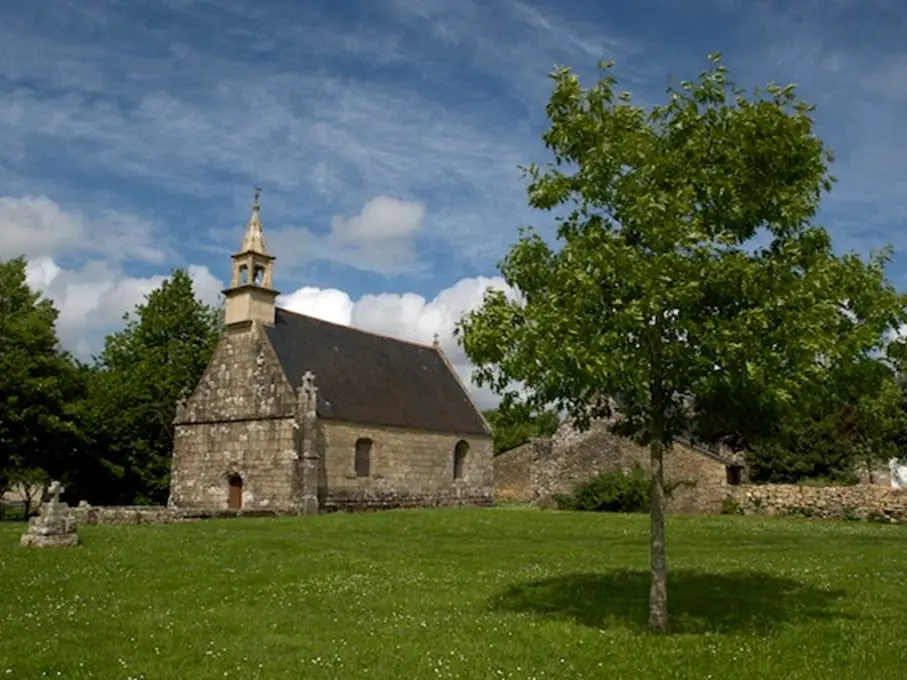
140, 375
39, 386
687, 270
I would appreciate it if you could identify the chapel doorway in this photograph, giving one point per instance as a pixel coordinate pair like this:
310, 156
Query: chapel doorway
234, 499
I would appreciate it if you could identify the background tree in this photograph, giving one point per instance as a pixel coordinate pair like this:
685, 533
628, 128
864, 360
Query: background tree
848, 433
39, 389
133, 389
517, 425
660, 295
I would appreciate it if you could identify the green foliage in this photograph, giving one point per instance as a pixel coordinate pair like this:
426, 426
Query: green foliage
858, 424
659, 293
142, 372
814, 452
31, 483
730, 506
517, 426
38, 382
851, 514
615, 491
797, 511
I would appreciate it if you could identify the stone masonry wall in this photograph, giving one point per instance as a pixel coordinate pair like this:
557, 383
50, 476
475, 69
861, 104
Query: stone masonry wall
512, 472
259, 451
243, 381
408, 468
861, 501
144, 514
239, 420
538, 470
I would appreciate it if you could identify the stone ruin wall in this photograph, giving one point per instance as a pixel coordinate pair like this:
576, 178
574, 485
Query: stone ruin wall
539, 469
860, 501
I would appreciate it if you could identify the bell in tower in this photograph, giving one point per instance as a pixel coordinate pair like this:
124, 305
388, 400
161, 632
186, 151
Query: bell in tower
251, 296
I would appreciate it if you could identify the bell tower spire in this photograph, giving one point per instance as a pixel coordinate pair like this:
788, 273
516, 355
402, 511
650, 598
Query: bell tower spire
251, 296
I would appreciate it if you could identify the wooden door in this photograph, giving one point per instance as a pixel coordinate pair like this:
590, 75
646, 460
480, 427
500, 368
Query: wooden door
234, 500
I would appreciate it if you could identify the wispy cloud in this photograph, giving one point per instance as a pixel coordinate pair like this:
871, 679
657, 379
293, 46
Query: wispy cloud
144, 124
35, 225
191, 118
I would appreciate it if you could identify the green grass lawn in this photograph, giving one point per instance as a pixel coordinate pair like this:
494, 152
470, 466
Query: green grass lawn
497, 593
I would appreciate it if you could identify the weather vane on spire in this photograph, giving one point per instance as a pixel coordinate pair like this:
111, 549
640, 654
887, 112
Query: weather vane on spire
256, 205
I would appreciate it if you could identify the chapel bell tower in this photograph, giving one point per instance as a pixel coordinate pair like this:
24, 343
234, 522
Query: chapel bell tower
251, 296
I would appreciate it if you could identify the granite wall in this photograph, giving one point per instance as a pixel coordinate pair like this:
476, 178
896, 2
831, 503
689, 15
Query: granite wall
538, 470
238, 421
861, 501
407, 468
156, 514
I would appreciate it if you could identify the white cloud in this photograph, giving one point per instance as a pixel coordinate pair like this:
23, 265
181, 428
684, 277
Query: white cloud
381, 238
408, 316
92, 299
35, 225
328, 304
206, 285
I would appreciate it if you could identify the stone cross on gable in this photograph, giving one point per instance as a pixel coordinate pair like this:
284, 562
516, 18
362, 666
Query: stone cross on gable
307, 390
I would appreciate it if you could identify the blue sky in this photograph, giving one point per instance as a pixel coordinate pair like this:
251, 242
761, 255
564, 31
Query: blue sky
386, 135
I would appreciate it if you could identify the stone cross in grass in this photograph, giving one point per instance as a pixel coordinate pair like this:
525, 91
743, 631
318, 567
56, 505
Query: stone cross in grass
55, 489
54, 526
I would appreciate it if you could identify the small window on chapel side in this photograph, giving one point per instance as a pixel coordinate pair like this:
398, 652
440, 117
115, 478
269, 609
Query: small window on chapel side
363, 458
460, 451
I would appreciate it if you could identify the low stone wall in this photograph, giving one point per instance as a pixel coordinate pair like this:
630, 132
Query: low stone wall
357, 502
861, 501
145, 514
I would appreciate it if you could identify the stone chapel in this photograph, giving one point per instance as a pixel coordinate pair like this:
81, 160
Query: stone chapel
300, 415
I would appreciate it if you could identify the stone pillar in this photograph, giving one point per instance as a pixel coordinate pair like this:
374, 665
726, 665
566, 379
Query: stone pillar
306, 420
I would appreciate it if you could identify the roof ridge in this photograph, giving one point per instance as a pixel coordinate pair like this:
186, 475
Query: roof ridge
702, 450
453, 371
358, 330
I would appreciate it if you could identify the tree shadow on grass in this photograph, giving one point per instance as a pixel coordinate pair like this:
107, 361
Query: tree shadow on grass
698, 602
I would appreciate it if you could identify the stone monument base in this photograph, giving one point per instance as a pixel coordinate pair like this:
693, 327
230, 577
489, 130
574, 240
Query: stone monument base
50, 540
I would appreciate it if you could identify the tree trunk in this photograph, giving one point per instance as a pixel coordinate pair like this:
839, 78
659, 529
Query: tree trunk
658, 591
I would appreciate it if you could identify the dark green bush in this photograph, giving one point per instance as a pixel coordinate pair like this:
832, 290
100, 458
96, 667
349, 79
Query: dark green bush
730, 506
616, 491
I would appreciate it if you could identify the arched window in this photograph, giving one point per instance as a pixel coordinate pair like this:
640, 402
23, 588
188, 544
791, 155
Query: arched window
459, 458
234, 499
259, 276
243, 274
363, 459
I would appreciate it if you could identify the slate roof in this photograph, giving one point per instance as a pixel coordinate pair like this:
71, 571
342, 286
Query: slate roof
371, 379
